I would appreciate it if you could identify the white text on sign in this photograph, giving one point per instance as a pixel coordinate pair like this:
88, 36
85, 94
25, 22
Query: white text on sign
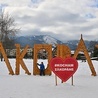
64, 67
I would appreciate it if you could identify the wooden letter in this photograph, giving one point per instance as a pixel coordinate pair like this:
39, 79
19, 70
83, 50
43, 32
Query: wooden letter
6, 59
19, 60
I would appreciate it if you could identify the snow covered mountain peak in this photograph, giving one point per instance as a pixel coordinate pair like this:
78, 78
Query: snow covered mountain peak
37, 39
49, 40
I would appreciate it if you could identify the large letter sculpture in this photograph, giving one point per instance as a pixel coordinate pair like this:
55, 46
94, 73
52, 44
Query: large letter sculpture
81, 47
19, 60
38, 47
6, 59
63, 51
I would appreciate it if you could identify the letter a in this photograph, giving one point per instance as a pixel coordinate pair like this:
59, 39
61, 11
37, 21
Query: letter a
6, 59
81, 47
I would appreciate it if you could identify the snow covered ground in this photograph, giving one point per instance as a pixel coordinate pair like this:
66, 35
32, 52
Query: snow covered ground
30, 86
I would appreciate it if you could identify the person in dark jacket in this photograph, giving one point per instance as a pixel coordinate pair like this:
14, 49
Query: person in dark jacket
42, 69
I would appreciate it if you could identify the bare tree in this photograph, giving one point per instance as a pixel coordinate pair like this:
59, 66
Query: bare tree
7, 26
7, 29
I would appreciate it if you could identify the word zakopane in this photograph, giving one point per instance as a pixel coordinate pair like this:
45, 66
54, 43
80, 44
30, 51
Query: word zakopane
19, 57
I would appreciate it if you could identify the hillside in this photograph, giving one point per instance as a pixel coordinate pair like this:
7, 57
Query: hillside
40, 39
46, 39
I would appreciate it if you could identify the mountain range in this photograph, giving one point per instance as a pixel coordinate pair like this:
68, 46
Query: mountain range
46, 39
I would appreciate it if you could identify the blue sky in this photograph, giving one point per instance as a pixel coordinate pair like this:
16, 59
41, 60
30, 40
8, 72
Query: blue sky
62, 19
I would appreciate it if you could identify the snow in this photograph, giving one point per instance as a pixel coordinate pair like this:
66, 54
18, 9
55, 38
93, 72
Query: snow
30, 86
50, 40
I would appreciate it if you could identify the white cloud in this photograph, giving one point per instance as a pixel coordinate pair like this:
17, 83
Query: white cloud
63, 19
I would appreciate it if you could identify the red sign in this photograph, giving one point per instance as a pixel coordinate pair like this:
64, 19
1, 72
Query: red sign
64, 69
